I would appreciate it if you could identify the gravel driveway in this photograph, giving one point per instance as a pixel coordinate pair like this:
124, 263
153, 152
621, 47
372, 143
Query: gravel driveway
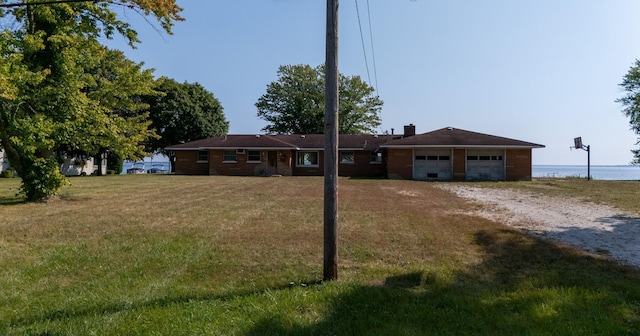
592, 227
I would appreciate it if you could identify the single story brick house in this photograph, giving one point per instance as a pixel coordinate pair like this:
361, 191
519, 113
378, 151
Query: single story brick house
444, 154
287, 155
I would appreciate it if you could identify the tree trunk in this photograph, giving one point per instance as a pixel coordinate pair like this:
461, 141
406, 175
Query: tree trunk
172, 161
98, 160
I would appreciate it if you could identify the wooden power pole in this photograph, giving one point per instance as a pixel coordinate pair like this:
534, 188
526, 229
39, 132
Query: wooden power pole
331, 146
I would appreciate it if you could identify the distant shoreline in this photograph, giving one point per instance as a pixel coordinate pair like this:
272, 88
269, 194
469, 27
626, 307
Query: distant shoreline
598, 172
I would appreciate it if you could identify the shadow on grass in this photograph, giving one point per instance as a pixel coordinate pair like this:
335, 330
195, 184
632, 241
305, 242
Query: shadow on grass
524, 286
14, 200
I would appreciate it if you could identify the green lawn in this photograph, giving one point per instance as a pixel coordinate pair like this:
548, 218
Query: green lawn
179, 255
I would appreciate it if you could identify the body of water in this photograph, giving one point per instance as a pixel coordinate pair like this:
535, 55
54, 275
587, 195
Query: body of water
621, 173
146, 165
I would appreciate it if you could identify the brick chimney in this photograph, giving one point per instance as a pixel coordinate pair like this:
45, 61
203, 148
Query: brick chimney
409, 130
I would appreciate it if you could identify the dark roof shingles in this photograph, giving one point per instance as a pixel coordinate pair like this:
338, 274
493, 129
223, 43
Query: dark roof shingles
445, 137
293, 141
453, 137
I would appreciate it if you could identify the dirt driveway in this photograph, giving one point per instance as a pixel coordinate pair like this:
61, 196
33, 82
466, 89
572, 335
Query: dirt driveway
595, 228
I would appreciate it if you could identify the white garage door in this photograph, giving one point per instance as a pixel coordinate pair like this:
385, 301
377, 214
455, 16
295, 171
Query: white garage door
432, 164
485, 165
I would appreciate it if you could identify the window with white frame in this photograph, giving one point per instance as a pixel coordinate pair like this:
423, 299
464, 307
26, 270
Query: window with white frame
307, 159
376, 157
203, 156
229, 155
347, 157
253, 156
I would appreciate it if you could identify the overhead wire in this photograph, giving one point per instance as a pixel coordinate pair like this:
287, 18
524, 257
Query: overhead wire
53, 2
364, 49
373, 53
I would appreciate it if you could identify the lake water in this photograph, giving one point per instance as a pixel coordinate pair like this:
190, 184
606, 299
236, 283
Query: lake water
146, 165
597, 172
621, 173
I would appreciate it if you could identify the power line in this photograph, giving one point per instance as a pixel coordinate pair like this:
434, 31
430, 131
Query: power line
19, 4
373, 53
364, 50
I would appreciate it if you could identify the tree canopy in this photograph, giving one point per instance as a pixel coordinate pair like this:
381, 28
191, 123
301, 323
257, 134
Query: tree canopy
631, 102
61, 89
294, 103
183, 112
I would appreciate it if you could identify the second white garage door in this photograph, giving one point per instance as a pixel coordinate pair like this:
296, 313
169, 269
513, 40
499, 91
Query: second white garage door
485, 165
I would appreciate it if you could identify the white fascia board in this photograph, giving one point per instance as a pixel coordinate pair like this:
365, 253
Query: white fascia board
339, 148
266, 148
462, 147
250, 148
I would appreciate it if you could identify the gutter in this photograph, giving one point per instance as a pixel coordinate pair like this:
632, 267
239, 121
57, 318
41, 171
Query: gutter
458, 146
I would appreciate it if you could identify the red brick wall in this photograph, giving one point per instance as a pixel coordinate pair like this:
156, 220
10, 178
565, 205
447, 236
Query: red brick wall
400, 163
186, 164
361, 166
518, 165
239, 168
459, 165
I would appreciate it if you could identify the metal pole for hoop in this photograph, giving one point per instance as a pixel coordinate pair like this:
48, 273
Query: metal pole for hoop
577, 142
588, 162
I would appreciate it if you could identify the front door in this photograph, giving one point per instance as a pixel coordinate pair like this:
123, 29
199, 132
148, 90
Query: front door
272, 163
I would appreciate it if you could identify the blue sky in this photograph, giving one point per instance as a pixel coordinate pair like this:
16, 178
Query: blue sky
542, 71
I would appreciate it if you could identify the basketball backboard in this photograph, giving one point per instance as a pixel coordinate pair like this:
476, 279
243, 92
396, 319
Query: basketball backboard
578, 142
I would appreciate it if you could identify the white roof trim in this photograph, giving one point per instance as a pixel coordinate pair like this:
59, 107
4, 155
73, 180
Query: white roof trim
340, 149
458, 146
233, 148
251, 148
264, 148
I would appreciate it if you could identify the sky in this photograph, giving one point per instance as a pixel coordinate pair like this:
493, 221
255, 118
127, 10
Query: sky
543, 71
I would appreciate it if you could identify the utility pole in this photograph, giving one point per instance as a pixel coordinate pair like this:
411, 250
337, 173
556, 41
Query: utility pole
330, 271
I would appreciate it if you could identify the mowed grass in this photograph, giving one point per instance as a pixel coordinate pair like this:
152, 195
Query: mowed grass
179, 255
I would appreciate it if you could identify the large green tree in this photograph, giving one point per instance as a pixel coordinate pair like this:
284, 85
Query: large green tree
60, 88
295, 103
631, 102
183, 112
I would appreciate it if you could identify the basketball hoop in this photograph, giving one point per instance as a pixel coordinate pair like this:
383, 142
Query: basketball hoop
577, 144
